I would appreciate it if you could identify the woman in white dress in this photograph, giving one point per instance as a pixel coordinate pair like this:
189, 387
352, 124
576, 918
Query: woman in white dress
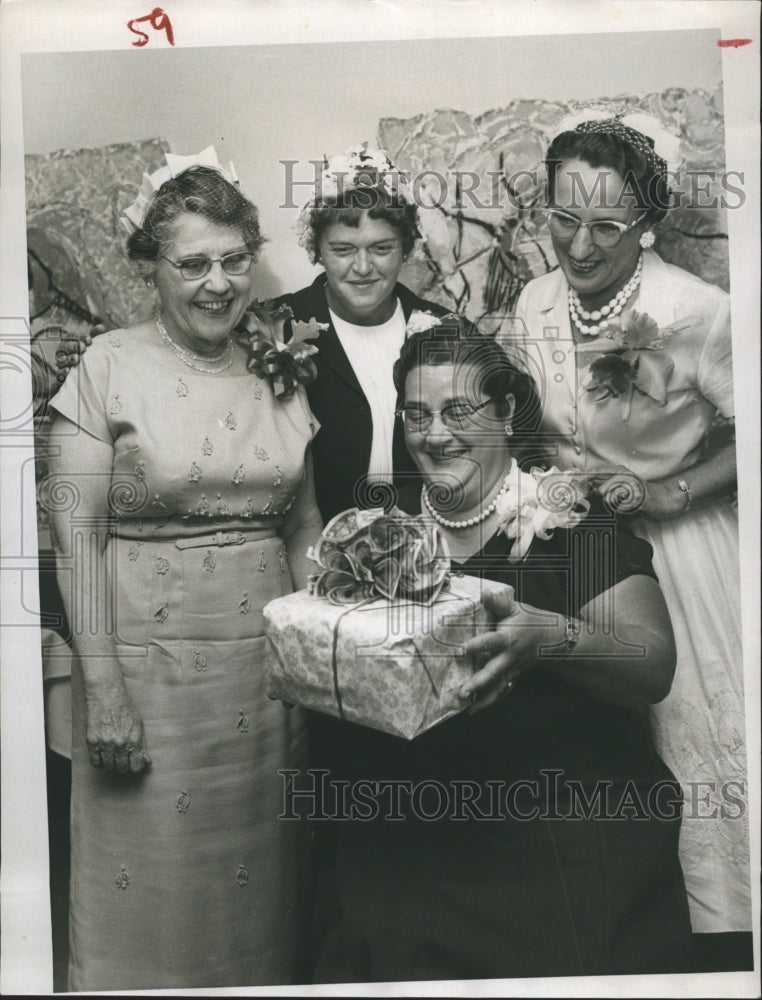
634, 355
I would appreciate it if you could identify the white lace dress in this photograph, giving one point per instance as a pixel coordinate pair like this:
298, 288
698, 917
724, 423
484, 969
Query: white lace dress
700, 727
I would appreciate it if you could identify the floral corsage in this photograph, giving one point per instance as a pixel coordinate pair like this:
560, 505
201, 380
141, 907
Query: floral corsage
534, 504
356, 170
631, 357
284, 366
420, 321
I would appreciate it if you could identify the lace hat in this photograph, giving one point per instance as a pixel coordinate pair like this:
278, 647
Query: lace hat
133, 217
643, 131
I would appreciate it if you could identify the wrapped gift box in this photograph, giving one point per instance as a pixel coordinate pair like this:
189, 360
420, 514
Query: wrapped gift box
394, 665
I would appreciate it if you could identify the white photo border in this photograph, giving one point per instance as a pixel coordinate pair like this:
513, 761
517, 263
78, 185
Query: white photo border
56, 26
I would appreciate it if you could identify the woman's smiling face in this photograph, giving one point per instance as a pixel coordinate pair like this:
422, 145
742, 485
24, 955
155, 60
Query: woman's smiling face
200, 314
595, 273
362, 264
469, 459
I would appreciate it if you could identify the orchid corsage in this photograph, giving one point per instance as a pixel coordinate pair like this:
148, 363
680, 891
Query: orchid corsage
631, 358
536, 503
283, 365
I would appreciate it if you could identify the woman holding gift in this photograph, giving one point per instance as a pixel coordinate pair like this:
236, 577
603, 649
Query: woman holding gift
194, 505
361, 225
521, 873
639, 366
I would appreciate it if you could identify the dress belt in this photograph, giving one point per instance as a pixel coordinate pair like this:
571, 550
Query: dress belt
217, 538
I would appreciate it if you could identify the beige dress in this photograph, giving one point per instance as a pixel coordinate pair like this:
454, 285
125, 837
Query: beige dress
184, 876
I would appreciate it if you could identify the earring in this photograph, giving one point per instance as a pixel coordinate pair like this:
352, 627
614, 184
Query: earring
647, 239
508, 430
150, 283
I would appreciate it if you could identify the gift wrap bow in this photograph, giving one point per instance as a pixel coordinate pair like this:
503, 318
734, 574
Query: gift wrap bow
367, 554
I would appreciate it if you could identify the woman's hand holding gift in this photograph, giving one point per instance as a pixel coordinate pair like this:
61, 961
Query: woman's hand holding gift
501, 656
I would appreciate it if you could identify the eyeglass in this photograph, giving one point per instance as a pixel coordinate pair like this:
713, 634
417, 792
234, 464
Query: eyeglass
604, 234
193, 268
456, 416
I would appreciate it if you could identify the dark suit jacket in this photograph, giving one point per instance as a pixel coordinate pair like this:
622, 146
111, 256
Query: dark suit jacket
341, 449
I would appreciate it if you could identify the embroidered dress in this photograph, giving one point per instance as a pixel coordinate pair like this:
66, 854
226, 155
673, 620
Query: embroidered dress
183, 876
700, 727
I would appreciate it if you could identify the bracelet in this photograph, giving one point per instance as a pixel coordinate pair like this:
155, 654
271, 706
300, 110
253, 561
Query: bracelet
571, 635
686, 490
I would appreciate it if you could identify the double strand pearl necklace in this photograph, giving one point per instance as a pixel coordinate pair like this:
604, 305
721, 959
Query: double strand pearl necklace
191, 359
606, 313
471, 521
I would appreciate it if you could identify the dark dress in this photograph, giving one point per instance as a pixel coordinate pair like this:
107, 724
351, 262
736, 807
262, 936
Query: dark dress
536, 876
341, 449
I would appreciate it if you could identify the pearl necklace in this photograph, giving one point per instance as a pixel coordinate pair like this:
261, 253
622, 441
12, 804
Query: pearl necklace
191, 359
471, 521
606, 313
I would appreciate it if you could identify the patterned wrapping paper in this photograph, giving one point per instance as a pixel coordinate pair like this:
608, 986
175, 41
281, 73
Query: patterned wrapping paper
398, 664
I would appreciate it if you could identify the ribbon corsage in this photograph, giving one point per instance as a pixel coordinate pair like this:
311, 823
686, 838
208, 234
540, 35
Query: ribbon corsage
283, 365
537, 503
366, 554
631, 358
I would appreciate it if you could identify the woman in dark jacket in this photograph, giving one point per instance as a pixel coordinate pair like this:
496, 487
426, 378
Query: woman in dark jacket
361, 225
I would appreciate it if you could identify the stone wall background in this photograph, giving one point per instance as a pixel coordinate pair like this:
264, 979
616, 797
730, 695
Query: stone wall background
477, 259
74, 200
76, 247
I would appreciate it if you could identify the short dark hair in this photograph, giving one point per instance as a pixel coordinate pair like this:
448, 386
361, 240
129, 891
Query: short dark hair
646, 182
350, 206
459, 342
202, 191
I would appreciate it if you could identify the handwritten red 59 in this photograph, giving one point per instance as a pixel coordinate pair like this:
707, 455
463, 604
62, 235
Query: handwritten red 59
158, 20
